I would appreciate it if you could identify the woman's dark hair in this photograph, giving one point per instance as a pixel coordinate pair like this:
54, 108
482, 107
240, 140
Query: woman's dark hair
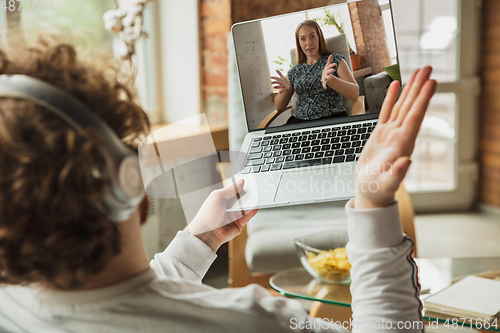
53, 229
323, 47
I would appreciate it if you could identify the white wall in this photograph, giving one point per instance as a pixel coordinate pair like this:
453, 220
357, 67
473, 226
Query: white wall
179, 55
254, 70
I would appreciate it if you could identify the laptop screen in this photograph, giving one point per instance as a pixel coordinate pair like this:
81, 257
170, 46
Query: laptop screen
296, 48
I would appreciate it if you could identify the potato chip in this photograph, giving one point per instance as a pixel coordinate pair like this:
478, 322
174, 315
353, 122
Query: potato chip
330, 265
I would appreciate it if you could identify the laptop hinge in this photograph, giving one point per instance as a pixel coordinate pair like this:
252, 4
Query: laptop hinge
320, 123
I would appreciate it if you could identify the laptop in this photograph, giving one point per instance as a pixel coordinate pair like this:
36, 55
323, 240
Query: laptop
310, 161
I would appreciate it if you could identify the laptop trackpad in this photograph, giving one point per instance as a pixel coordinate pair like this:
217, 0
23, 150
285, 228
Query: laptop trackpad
315, 185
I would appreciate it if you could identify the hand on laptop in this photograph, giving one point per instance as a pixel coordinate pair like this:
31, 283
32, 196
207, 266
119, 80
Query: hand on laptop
213, 224
385, 158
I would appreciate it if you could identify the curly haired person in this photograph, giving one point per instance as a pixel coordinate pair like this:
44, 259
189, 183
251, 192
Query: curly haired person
66, 267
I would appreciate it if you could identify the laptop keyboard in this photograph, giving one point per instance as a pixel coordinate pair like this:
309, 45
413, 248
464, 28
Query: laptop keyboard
336, 144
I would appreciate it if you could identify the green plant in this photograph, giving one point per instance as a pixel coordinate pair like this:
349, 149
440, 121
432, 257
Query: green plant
282, 62
333, 18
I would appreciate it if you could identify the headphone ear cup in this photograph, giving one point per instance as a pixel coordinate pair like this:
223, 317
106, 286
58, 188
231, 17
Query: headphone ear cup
129, 177
125, 188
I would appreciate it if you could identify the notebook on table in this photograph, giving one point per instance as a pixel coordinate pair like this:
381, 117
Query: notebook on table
472, 297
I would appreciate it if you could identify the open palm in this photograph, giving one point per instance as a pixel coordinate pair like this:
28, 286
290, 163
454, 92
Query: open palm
385, 158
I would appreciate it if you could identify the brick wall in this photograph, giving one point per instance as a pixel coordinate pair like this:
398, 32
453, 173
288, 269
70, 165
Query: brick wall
489, 151
369, 33
244, 10
215, 25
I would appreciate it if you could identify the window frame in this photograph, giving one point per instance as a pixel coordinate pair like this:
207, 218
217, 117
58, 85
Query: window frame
147, 61
10, 20
467, 90
174, 24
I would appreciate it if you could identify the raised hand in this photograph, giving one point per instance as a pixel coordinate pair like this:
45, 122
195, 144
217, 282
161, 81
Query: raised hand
328, 72
385, 159
280, 82
213, 224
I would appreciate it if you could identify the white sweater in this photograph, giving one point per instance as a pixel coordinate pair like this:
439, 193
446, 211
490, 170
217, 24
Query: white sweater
170, 297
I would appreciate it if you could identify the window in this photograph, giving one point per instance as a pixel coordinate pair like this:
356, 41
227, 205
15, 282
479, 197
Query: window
83, 19
443, 34
168, 61
147, 60
179, 59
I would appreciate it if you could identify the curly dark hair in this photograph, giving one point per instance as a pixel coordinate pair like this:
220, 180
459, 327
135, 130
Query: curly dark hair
53, 229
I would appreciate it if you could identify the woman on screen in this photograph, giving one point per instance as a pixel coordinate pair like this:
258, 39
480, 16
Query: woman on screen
321, 78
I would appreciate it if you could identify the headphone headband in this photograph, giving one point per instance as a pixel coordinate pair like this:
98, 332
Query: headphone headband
125, 188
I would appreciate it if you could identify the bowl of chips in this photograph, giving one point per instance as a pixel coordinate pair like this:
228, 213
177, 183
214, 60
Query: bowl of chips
324, 256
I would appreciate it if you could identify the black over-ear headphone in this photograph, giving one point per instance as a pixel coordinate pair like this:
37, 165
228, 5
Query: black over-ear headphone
124, 176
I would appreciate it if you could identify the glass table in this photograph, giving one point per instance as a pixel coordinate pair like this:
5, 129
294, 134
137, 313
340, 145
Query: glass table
434, 275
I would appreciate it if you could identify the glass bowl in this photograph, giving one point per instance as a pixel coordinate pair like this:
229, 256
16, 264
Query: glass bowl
323, 256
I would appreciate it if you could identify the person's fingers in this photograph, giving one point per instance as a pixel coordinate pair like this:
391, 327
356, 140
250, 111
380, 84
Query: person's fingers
389, 101
420, 80
330, 67
398, 171
232, 216
401, 165
390, 179
279, 73
328, 61
331, 71
243, 220
403, 95
239, 214
231, 190
415, 117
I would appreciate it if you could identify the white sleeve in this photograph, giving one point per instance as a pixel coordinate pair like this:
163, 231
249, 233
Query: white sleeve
253, 309
384, 284
186, 257
285, 313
